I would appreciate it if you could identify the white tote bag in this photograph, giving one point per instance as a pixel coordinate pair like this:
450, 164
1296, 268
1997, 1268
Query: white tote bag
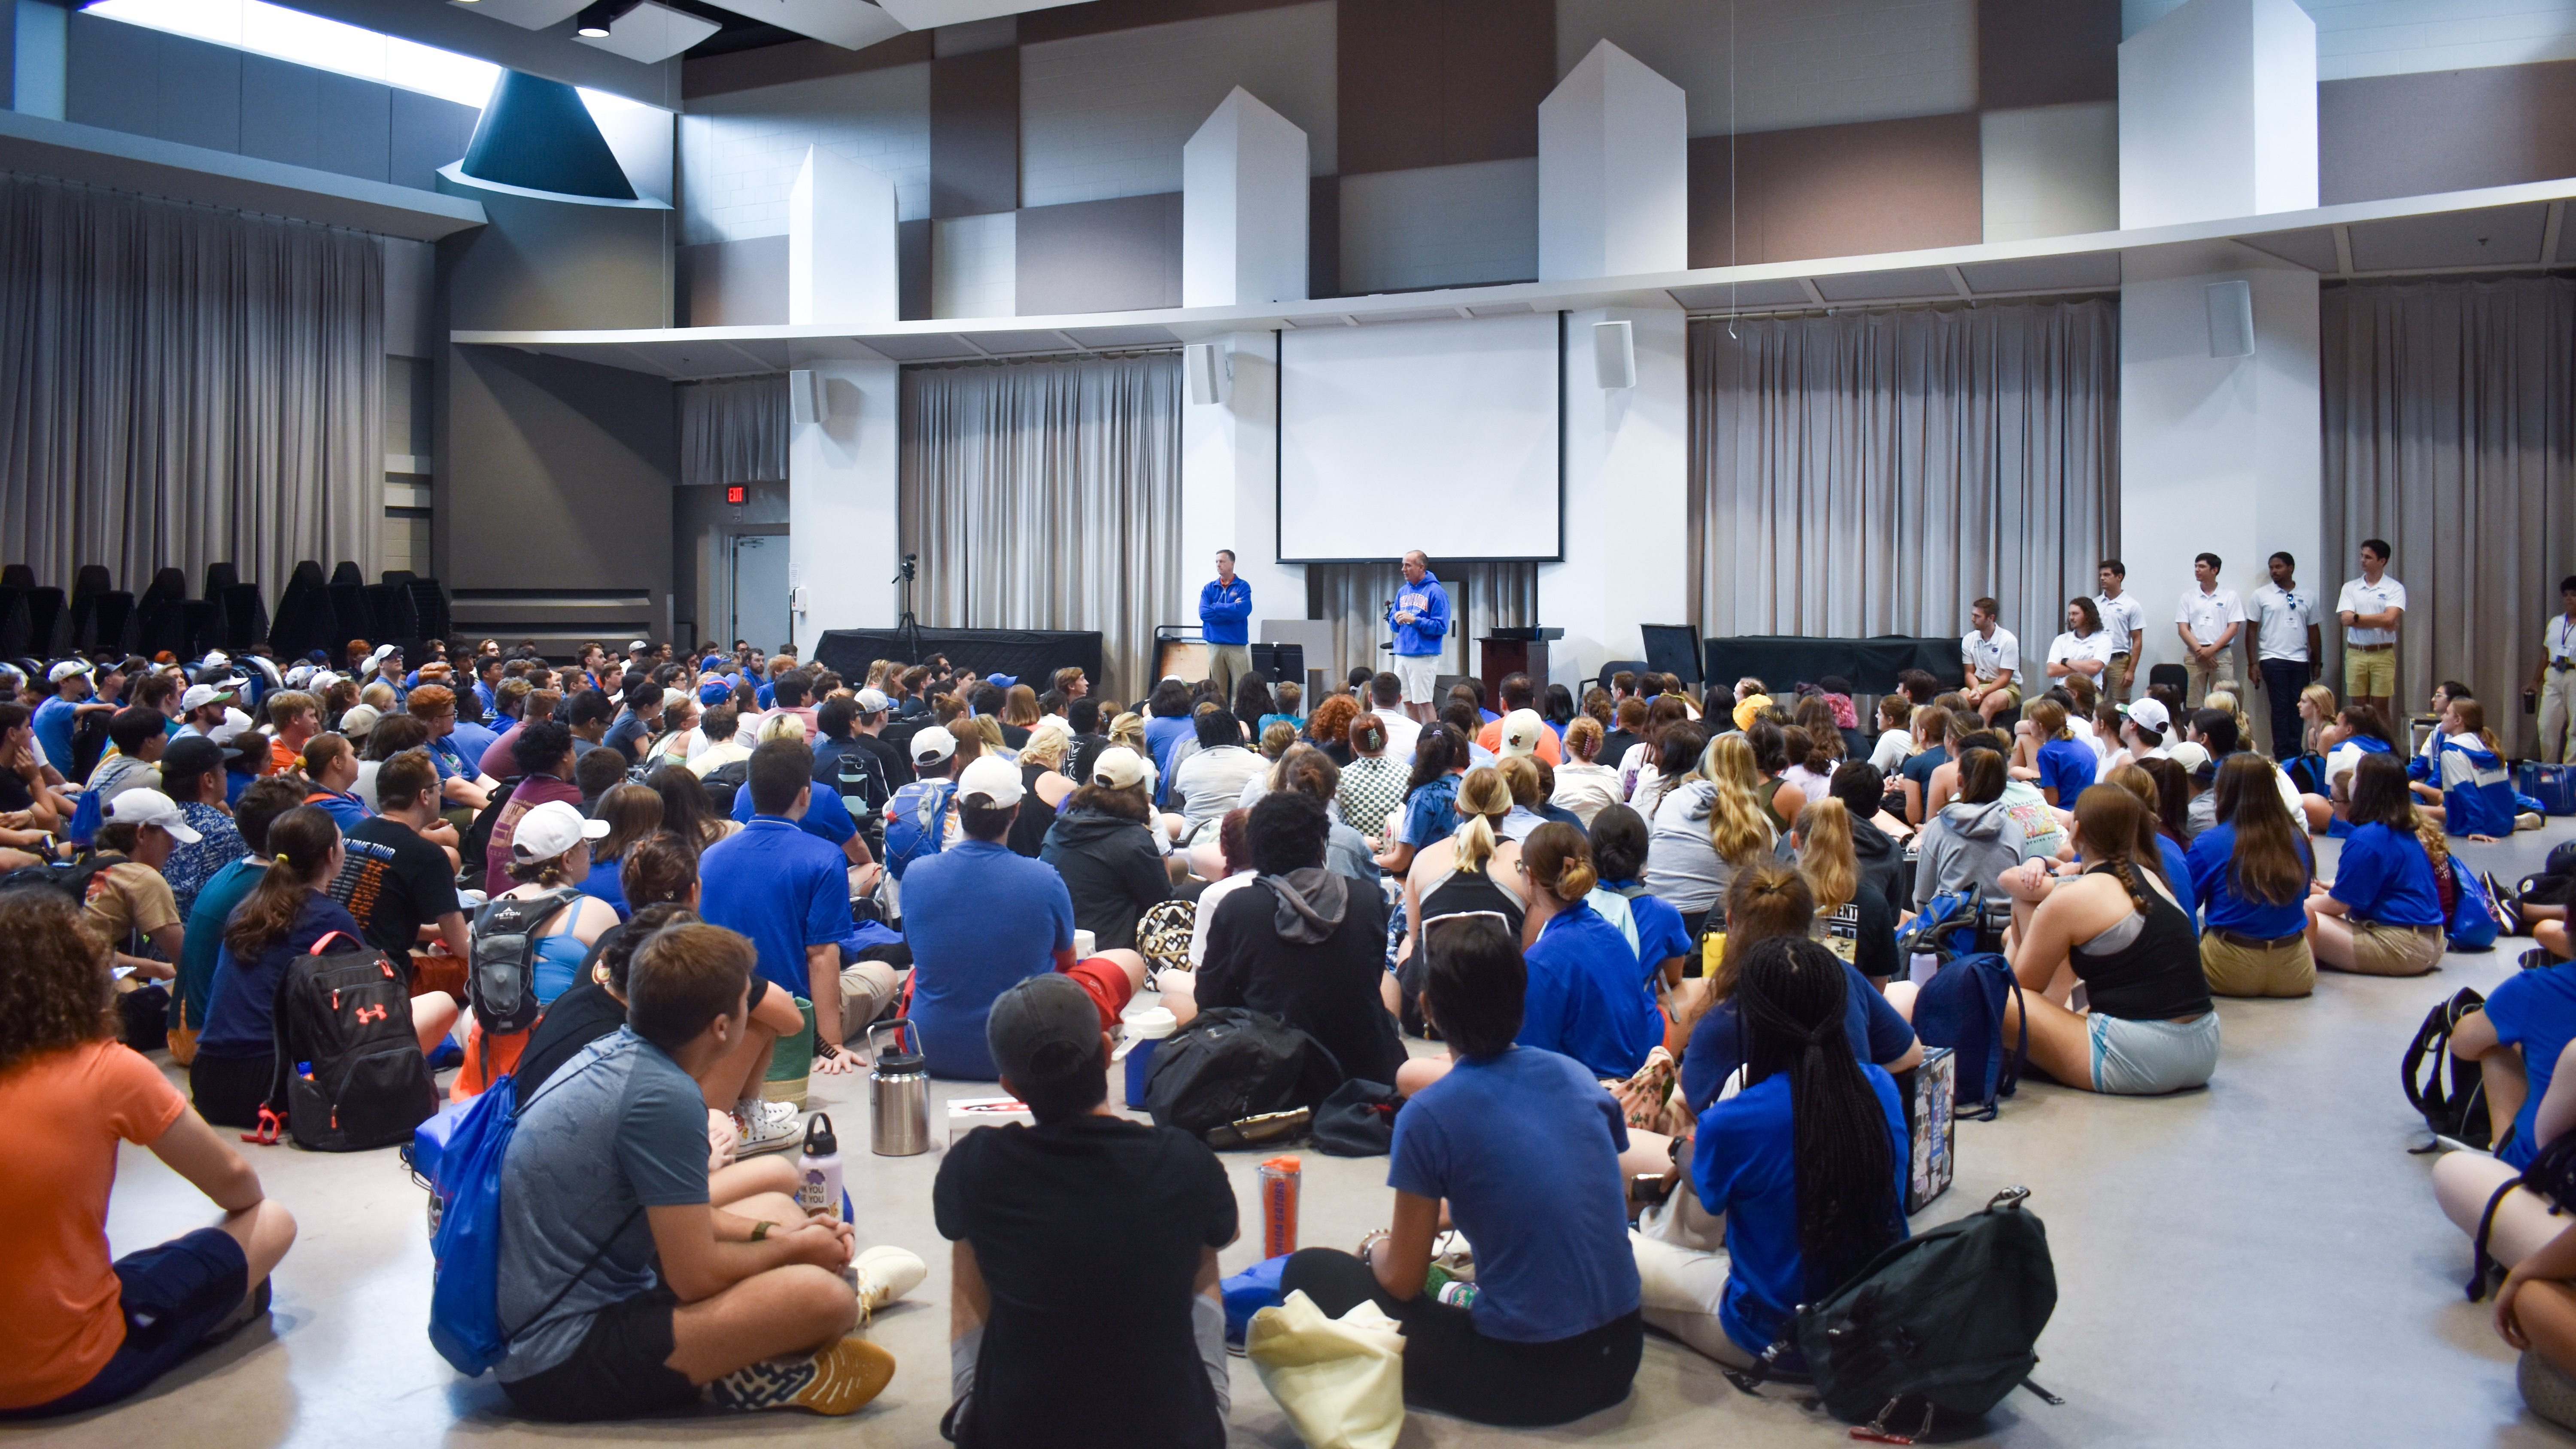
1341, 1380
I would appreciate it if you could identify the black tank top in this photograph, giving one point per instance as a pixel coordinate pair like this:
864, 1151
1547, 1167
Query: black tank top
1459, 892
2157, 975
1028, 832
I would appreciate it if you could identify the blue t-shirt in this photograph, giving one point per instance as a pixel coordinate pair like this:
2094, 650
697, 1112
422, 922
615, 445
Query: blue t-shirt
471, 740
241, 1016
1746, 1167
979, 919
2212, 855
1660, 932
1161, 734
1430, 813
2385, 876
826, 814
1587, 996
53, 725
1876, 1031
2178, 874
1524, 1147
783, 888
450, 758
346, 809
2536, 1011
606, 883
2067, 766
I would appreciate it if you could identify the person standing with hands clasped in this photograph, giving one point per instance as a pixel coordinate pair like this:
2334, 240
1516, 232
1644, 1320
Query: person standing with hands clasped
1225, 610
1419, 615
2371, 607
2555, 680
2288, 649
2208, 619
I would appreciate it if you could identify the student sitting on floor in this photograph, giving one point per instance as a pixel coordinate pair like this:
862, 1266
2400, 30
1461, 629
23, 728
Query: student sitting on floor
2479, 1191
2148, 783
1769, 901
1087, 1229
632, 1289
2251, 870
1974, 837
2383, 915
1522, 1146
1806, 1164
85, 1331
283, 917
1852, 918
2148, 1026
190, 994
549, 855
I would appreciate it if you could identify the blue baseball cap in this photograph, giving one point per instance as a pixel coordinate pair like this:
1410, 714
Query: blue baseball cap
714, 691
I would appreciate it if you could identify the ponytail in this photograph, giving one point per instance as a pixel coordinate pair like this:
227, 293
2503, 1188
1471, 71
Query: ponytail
1559, 859
1790, 1001
299, 846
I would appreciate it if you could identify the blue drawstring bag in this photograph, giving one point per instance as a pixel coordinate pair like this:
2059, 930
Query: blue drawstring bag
1248, 1292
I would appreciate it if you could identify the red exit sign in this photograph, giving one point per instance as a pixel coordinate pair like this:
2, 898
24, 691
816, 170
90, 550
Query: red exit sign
735, 492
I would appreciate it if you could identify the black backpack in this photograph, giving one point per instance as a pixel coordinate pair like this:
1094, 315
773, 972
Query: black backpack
350, 1074
1229, 1064
503, 979
1947, 1319
2450, 1093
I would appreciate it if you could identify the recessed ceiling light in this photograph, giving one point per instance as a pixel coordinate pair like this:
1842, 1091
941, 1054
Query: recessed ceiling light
596, 19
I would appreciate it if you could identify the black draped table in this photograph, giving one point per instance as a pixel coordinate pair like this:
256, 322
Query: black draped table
1872, 665
1028, 655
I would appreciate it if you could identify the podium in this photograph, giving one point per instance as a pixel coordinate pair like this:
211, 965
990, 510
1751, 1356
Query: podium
1514, 651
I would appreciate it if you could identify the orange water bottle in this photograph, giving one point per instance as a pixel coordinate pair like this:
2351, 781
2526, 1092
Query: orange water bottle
1279, 1182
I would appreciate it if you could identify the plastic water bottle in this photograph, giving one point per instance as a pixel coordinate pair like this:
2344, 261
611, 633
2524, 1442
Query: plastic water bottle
818, 1171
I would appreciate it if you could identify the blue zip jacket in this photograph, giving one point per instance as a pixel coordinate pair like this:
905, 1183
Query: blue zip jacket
1429, 605
1224, 610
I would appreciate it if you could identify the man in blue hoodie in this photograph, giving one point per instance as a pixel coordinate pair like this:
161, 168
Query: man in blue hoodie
1225, 611
1419, 615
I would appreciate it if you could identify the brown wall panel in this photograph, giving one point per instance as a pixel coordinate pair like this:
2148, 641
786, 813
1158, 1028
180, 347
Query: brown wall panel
912, 270
1324, 237
975, 133
770, 65
1498, 63
2047, 52
1441, 82
1066, 21
2407, 135
1836, 191
1100, 256
1387, 58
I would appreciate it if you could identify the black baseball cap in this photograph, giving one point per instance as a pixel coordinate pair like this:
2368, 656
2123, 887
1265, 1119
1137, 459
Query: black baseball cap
1043, 1030
187, 755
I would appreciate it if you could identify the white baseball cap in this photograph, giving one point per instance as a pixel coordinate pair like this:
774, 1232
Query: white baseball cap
551, 829
2148, 714
360, 719
383, 653
933, 745
66, 670
235, 722
299, 676
995, 779
637, 646
1119, 768
151, 807
201, 695
2189, 755
1520, 732
873, 701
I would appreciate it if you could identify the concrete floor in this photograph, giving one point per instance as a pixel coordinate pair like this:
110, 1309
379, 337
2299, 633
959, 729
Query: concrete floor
2260, 1263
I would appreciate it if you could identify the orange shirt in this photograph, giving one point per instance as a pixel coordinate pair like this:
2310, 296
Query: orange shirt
60, 1117
1491, 737
284, 759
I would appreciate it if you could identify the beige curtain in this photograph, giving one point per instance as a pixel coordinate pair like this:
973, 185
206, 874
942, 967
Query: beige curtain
2450, 431
1874, 473
733, 431
1047, 495
181, 385
1354, 596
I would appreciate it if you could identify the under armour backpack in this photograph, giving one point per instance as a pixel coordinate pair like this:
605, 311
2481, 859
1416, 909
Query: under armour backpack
1228, 1064
2451, 1094
503, 982
349, 1073
916, 823
1962, 1008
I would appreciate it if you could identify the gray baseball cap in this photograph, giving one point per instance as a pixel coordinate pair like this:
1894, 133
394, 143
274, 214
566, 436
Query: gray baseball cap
1043, 1030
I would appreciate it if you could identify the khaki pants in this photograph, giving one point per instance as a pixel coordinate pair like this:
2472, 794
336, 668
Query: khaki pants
2115, 679
1227, 664
867, 989
2236, 967
2219, 673
2558, 716
2385, 950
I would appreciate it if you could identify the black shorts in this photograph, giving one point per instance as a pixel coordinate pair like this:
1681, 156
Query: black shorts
229, 1091
620, 1370
172, 1296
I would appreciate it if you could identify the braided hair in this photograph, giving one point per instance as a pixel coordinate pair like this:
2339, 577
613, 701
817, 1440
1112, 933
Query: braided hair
2115, 828
1790, 1000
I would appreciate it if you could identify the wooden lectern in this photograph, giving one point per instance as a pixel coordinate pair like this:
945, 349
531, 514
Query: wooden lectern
1514, 651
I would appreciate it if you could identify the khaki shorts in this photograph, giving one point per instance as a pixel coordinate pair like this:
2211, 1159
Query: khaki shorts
1419, 674
2370, 670
2011, 694
2237, 968
2384, 950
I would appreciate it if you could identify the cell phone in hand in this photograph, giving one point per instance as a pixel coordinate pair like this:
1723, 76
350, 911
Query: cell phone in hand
1649, 1189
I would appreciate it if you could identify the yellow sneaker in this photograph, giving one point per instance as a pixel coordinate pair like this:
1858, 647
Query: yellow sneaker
839, 1379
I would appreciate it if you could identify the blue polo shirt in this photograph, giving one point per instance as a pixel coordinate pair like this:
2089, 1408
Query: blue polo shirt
2385, 876
2213, 854
979, 919
53, 725
2067, 766
2536, 1011
1586, 997
826, 815
781, 887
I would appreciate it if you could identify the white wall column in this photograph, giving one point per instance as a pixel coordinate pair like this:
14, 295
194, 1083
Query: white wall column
1613, 171
1230, 489
1627, 511
842, 547
2216, 453
1243, 207
841, 251
2218, 113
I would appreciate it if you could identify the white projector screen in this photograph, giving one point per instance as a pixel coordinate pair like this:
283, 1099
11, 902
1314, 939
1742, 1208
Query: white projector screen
1441, 436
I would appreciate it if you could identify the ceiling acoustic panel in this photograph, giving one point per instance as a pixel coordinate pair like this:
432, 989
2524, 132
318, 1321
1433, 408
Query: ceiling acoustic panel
923, 346
1032, 340
650, 33
1903, 284
1142, 336
849, 24
2313, 248
2083, 272
526, 14
2492, 236
1736, 296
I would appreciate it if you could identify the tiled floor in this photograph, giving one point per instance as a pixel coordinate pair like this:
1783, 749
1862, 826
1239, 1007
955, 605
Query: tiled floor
2260, 1263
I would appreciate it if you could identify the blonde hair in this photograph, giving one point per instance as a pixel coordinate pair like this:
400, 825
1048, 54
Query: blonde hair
1129, 730
2321, 700
1825, 855
1737, 829
1583, 738
2226, 700
782, 726
1047, 743
1276, 739
1520, 773
2049, 718
989, 730
1483, 798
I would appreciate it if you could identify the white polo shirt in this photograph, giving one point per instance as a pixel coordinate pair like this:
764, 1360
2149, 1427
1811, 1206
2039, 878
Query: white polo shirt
2282, 618
2208, 615
2560, 639
2068, 647
2122, 618
2367, 598
1989, 658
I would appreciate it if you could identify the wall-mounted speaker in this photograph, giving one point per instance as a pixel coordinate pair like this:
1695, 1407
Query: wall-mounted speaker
1614, 354
1211, 372
807, 399
2231, 319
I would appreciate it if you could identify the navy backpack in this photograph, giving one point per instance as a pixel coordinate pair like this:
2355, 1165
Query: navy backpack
1962, 1008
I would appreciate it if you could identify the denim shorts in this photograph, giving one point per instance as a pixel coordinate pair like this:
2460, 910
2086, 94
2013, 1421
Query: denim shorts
172, 1296
2144, 1058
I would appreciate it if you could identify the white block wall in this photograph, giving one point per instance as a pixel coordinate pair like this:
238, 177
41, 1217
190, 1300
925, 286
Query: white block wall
1796, 62
1440, 226
2391, 37
974, 266
2051, 170
739, 153
1106, 115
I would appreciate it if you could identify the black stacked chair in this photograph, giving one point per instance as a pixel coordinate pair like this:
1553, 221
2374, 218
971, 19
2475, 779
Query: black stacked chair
17, 576
425, 604
49, 622
102, 615
385, 614
16, 630
242, 618
348, 592
305, 619
161, 615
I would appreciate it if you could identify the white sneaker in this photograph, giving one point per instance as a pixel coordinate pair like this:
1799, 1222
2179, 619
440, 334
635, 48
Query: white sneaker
767, 1127
880, 1275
